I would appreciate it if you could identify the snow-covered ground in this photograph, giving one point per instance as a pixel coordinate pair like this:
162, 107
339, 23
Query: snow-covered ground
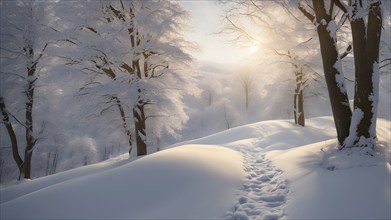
266, 170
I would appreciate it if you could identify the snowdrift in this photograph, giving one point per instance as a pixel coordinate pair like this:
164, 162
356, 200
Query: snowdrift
191, 181
266, 170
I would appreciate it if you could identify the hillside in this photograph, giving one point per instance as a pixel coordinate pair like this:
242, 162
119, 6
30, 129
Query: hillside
265, 170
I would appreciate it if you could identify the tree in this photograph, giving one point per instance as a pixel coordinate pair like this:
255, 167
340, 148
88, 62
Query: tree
209, 93
357, 128
23, 47
157, 55
249, 21
301, 83
365, 19
246, 82
298, 97
138, 46
14, 142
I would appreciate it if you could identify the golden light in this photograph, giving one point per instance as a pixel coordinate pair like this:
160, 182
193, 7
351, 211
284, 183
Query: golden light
253, 48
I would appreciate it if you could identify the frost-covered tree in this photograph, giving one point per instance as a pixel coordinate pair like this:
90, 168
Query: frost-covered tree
246, 80
138, 59
256, 22
363, 34
26, 35
357, 128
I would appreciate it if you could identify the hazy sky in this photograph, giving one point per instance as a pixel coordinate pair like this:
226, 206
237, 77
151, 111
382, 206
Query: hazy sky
206, 19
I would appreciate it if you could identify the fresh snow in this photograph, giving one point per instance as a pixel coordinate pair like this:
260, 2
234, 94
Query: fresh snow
266, 170
348, 186
186, 182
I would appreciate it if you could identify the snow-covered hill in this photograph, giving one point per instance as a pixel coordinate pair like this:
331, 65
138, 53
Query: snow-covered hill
265, 170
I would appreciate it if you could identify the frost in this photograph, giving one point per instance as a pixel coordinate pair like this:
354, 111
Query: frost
142, 136
357, 116
374, 98
339, 77
332, 28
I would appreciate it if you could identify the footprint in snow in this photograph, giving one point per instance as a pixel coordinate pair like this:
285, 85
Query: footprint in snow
263, 195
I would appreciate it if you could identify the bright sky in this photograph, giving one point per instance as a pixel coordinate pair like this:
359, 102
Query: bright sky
206, 19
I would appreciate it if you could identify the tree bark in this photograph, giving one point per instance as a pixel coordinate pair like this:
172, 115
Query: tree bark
301, 119
295, 110
11, 133
298, 98
366, 50
124, 124
30, 140
359, 40
333, 74
139, 119
138, 109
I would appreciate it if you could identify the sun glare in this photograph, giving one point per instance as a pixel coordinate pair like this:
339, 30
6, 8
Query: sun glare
253, 48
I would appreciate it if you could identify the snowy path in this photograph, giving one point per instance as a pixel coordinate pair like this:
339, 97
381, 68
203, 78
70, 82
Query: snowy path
263, 194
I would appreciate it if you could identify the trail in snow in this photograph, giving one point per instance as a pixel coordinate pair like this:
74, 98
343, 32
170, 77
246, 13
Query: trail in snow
263, 194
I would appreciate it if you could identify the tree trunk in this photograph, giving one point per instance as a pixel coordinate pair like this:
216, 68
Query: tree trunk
366, 44
298, 98
11, 133
247, 94
301, 119
30, 140
139, 120
295, 110
138, 109
124, 124
332, 68
359, 39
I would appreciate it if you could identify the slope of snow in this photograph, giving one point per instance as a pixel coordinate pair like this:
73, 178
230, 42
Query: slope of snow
185, 182
281, 171
326, 183
360, 190
273, 132
14, 191
297, 173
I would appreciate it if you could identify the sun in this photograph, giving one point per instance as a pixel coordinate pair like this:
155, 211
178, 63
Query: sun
253, 48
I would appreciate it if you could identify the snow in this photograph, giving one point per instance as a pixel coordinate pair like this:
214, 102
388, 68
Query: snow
332, 28
327, 183
339, 77
361, 191
265, 170
374, 98
358, 114
192, 181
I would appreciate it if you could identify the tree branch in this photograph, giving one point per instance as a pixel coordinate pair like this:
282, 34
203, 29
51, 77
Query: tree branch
341, 5
247, 35
306, 13
347, 51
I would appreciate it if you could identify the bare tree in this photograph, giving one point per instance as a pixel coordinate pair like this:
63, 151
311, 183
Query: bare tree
247, 84
209, 94
257, 13
11, 133
227, 118
366, 23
